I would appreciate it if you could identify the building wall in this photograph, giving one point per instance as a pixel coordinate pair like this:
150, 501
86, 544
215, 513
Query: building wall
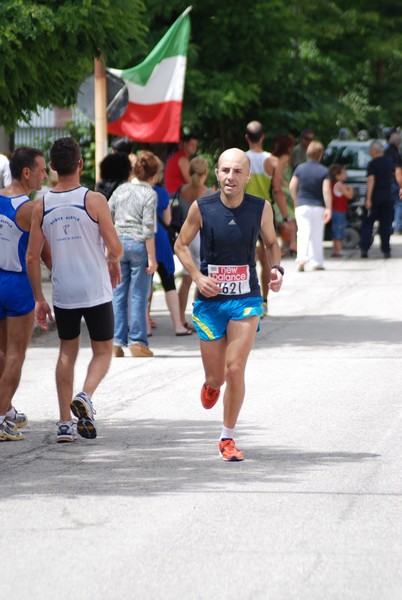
48, 124
4, 141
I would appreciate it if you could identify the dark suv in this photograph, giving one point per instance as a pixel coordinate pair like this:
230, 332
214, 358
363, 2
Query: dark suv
355, 155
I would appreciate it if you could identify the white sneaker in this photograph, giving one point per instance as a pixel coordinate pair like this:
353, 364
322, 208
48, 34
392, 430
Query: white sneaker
66, 432
81, 406
9, 432
18, 418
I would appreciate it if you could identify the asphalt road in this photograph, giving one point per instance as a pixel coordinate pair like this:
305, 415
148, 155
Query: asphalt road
148, 510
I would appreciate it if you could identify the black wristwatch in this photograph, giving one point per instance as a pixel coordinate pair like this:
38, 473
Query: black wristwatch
287, 219
280, 269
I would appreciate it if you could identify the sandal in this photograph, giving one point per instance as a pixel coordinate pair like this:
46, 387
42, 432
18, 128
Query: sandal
187, 332
152, 323
189, 327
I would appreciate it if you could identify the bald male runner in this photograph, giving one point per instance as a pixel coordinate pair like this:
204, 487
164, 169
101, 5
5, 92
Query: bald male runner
229, 303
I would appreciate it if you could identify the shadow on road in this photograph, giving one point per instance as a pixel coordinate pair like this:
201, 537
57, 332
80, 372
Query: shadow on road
311, 330
149, 457
330, 330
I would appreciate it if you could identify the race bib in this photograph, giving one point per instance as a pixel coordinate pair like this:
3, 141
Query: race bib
232, 279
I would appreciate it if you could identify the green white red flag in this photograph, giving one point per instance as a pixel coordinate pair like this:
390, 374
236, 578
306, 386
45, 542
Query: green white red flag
155, 89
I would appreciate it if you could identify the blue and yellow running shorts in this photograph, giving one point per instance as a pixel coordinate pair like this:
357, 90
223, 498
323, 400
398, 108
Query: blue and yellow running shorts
16, 297
211, 318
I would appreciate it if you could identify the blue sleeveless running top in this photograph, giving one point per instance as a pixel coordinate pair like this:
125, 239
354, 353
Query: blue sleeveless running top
228, 239
13, 239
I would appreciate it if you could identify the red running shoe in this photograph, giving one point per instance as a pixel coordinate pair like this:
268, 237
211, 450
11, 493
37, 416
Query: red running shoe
229, 452
209, 396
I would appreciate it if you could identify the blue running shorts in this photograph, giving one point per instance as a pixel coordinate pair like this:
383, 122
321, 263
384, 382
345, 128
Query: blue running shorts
16, 297
211, 318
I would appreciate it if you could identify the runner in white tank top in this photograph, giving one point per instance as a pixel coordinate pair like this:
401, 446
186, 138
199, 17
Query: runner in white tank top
86, 252
80, 274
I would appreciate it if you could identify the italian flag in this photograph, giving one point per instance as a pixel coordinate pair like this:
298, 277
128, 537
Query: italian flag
155, 89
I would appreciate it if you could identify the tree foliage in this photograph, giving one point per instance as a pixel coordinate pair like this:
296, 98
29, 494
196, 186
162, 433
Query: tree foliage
325, 64
47, 47
317, 63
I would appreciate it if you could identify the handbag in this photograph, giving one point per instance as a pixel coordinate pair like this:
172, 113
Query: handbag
177, 213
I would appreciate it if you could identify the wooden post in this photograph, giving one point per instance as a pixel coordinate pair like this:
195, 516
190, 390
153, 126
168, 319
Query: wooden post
100, 113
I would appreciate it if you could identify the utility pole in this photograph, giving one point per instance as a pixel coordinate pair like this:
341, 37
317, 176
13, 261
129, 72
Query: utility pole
100, 113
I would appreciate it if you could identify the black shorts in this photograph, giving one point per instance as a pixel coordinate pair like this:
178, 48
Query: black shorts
167, 281
99, 320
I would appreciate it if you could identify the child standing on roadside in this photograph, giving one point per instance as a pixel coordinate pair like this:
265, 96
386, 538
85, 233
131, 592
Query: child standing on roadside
341, 194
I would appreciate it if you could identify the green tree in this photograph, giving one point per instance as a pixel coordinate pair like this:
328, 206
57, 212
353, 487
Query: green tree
234, 56
362, 42
318, 63
47, 47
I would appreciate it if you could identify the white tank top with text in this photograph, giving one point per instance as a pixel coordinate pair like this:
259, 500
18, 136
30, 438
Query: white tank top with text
80, 275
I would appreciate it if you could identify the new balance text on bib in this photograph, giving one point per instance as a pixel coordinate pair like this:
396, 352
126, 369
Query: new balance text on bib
233, 280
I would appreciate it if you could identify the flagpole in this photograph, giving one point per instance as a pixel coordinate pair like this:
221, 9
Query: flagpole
100, 113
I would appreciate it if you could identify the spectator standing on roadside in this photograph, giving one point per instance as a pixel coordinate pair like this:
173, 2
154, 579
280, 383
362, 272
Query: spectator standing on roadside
178, 165
341, 194
299, 154
281, 153
188, 193
5, 173
122, 144
164, 257
77, 224
263, 167
133, 207
392, 151
379, 204
51, 181
310, 188
115, 169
